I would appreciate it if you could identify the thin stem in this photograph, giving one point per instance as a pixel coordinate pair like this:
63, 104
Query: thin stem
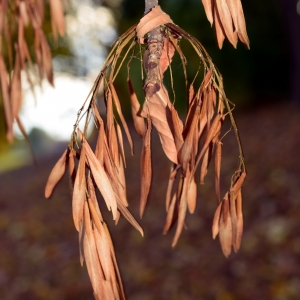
149, 4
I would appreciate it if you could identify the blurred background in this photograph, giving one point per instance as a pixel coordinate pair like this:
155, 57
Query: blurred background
39, 244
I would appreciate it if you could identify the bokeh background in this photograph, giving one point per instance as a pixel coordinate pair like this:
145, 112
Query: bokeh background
39, 256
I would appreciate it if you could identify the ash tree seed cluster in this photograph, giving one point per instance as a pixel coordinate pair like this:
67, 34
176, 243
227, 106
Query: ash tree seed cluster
189, 144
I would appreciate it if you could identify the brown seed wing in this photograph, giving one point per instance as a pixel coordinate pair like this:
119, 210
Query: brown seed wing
216, 221
170, 214
16, 88
225, 232
5, 99
177, 128
103, 251
226, 20
208, 7
119, 110
239, 214
238, 185
166, 55
91, 257
192, 196
204, 165
219, 29
242, 32
146, 169
233, 216
187, 148
138, 121
56, 174
57, 18
125, 212
79, 192
181, 210
218, 157
47, 58
158, 108
101, 180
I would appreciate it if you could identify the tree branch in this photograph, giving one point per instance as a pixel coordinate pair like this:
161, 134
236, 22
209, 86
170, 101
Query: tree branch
150, 4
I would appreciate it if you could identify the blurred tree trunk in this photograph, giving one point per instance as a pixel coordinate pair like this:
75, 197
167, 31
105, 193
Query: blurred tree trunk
292, 23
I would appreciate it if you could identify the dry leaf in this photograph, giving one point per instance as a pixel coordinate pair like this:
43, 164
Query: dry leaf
91, 257
138, 121
239, 214
119, 110
226, 20
101, 179
125, 212
233, 215
170, 214
177, 128
241, 26
57, 18
212, 132
182, 209
219, 29
79, 192
6, 101
225, 229
216, 221
158, 108
56, 174
208, 7
218, 157
204, 165
103, 249
81, 236
192, 196
16, 88
169, 190
238, 184
99, 152
166, 55
121, 144
93, 198
187, 148
146, 168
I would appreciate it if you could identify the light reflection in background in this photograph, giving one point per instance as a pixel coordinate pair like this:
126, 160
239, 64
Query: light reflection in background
89, 29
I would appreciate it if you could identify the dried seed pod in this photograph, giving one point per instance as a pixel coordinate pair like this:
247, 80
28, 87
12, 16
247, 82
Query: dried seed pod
216, 221
219, 29
238, 184
186, 150
225, 227
138, 121
204, 165
146, 168
176, 128
192, 196
169, 190
182, 209
56, 174
239, 219
208, 6
218, 157
91, 257
170, 214
119, 110
79, 192
233, 217
226, 20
